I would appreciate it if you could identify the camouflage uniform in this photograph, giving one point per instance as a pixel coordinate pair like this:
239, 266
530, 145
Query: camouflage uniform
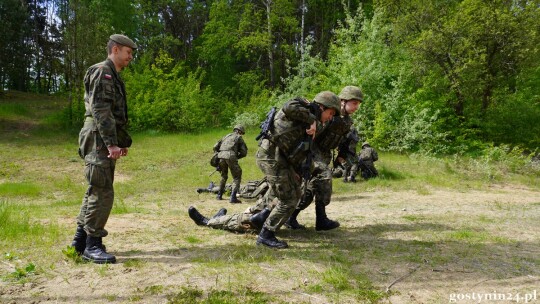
105, 125
320, 185
366, 157
239, 222
231, 148
347, 151
276, 161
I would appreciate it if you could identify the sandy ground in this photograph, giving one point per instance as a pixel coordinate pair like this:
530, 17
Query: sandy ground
439, 247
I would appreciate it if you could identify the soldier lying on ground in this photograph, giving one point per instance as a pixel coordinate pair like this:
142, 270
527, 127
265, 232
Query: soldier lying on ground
249, 221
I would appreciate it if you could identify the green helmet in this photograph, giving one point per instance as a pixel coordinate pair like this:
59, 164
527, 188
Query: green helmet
329, 100
351, 93
240, 128
365, 144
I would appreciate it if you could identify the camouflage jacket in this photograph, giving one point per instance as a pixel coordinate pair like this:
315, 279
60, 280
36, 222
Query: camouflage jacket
105, 101
231, 146
334, 131
368, 155
289, 128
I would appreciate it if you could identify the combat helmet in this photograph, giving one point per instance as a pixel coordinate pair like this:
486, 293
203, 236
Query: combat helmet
351, 93
240, 128
329, 100
365, 144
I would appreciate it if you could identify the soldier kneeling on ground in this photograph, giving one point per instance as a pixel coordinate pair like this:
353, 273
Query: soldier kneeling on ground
366, 158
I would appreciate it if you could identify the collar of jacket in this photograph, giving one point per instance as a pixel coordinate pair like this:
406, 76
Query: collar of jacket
110, 63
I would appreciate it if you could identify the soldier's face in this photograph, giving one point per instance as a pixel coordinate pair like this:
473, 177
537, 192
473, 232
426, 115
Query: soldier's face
123, 55
327, 115
351, 106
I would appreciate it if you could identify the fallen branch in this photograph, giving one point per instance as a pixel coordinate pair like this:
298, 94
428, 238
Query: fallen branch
401, 278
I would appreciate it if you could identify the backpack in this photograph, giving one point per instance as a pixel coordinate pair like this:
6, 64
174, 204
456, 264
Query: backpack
214, 161
254, 189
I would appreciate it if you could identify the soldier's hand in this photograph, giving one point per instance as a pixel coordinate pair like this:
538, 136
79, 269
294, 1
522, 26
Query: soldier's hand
312, 129
114, 152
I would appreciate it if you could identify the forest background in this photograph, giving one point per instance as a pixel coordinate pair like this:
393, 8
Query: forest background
439, 76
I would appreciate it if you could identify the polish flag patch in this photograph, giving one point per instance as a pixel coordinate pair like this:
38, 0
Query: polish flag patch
107, 76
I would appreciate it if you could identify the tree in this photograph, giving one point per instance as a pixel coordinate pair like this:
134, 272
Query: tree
14, 50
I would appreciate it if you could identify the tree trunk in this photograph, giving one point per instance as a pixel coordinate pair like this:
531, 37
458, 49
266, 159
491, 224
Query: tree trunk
268, 4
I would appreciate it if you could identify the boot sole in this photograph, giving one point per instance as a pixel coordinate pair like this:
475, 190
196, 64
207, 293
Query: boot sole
269, 246
105, 261
301, 227
325, 229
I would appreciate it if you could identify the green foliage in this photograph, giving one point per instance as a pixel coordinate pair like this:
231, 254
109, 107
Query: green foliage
163, 97
21, 273
71, 254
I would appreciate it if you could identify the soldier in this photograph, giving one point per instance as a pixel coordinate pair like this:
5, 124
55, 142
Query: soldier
230, 149
366, 157
251, 220
102, 140
282, 154
320, 185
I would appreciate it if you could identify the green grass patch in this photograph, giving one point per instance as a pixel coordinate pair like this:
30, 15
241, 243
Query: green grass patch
19, 189
12, 110
194, 295
15, 224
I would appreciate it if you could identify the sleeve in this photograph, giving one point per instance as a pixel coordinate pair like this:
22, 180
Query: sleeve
217, 146
242, 148
375, 155
298, 110
102, 97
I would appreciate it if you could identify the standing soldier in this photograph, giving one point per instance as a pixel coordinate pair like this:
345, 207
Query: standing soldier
320, 185
102, 140
230, 149
283, 153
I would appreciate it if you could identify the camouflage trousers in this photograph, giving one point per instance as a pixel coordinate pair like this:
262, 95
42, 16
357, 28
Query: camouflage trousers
318, 188
228, 164
284, 184
99, 172
238, 222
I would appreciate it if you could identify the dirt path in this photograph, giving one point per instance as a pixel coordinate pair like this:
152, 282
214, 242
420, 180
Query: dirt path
431, 248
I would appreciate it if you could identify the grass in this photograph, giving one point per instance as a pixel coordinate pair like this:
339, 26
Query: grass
163, 256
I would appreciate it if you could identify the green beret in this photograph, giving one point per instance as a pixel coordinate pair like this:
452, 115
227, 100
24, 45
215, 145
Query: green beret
123, 40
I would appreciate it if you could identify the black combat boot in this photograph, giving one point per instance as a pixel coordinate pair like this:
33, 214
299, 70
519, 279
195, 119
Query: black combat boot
234, 199
95, 252
268, 238
352, 179
322, 222
198, 218
219, 195
221, 212
292, 222
79, 240
258, 219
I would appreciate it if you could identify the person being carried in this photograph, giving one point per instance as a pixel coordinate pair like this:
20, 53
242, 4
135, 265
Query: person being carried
102, 140
230, 149
366, 159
